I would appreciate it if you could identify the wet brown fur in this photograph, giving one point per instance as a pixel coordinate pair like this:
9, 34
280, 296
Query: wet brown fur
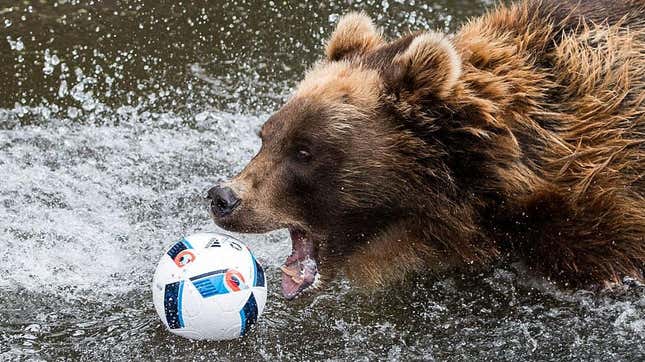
523, 135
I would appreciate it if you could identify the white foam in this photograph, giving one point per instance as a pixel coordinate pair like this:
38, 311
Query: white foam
92, 206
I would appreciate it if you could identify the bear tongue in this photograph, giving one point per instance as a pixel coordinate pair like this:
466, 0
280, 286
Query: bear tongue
300, 269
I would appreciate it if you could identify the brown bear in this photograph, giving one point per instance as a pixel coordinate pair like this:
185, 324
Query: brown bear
523, 135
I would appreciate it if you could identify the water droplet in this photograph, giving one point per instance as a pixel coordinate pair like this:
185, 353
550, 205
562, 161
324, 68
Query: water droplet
89, 104
48, 69
72, 112
17, 44
62, 89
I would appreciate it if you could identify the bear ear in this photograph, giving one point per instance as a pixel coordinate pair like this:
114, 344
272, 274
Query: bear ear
355, 34
430, 66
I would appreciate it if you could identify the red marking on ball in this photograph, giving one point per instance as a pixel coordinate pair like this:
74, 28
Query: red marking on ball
184, 258
234, 280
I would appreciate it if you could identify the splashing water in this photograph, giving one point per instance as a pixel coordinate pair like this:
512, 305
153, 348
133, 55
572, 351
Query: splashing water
113, 123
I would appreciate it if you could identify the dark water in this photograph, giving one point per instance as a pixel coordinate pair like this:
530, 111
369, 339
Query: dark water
116, 115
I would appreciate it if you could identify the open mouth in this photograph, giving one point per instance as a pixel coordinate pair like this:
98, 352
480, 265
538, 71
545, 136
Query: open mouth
300, 270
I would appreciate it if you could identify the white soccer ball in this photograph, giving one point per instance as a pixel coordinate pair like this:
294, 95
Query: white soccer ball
209, 286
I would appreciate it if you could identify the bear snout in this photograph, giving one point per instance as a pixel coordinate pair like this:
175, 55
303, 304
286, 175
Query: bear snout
223, 200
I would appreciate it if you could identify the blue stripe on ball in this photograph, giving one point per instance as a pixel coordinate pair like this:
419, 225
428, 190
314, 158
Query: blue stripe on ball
248, 314
172, 305
188, 245
258, 274
211, 283
176, 249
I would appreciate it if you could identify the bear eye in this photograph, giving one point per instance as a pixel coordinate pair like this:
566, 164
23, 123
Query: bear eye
303, 155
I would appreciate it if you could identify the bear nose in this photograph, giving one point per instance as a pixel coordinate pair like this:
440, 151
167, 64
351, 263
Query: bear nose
223, 200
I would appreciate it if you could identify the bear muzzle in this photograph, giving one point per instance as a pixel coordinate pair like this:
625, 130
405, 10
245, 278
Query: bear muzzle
223, 200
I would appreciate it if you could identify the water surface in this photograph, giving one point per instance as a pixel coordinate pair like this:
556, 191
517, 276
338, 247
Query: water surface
115, 116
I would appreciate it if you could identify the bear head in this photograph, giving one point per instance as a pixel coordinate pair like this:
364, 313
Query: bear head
352, 155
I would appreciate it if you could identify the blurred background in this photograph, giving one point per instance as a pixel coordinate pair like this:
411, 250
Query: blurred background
115, 116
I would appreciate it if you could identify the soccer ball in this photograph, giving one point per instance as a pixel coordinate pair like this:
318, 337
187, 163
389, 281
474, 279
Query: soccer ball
209, 286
